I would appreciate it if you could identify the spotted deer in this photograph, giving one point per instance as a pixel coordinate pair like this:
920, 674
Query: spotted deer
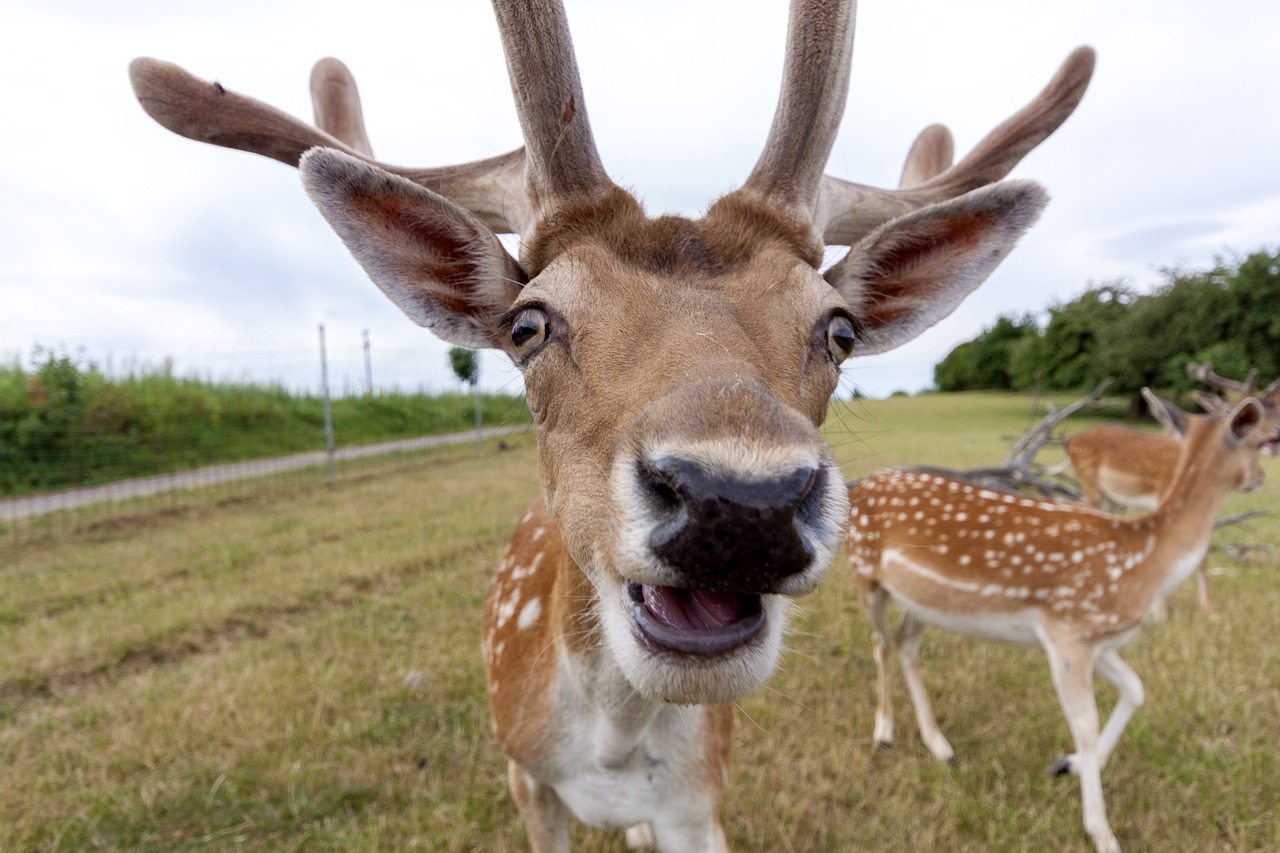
1122, 467
1072, 579
678, 372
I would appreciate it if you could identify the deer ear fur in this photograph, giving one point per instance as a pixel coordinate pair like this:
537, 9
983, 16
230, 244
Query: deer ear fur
441, 265
914, 270
1245, 417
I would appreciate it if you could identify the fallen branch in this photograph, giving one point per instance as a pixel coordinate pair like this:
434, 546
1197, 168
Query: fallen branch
1238, 517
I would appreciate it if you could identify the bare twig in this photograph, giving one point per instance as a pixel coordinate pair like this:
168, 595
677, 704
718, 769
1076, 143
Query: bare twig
1238, 517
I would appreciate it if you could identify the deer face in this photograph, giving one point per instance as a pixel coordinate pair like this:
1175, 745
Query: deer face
677, 413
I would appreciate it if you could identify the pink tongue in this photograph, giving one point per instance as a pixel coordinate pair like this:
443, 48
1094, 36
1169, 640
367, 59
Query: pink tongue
691, 610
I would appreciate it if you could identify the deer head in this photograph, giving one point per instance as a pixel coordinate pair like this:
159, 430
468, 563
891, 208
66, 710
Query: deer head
678, 370
1269, 398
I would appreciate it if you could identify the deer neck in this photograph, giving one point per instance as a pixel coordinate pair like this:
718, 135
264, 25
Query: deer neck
1183, 523
551, 671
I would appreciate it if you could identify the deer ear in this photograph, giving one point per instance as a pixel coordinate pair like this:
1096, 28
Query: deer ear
914, 270
441, 265
1245, 417
1170, 416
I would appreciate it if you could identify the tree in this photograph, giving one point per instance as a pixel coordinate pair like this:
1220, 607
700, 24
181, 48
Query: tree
983, 363
466, 366
1225, 316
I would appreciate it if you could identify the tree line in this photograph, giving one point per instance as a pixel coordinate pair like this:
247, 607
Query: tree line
1228, 316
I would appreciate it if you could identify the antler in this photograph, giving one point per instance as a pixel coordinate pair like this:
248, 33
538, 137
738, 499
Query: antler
846, 211
562, 160
508, 193
1204, 373
337, 104
492, 189
930, 155
815, 86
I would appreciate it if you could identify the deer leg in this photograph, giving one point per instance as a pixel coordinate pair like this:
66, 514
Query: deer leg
1119, 673
1202, 587
876, 602
1072, 664
1159, 612
704, 835
640, 837
546, 820
908, 641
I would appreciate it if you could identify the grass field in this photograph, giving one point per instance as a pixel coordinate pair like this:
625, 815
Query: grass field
301, 671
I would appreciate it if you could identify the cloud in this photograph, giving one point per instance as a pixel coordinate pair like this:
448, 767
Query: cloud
120, 236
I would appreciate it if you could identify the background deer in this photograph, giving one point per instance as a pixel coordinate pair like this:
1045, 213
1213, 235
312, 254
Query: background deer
1074, 580
1121, 467
677, 371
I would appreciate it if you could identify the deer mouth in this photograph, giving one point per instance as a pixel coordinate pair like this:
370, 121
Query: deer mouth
695, 622
1271, 447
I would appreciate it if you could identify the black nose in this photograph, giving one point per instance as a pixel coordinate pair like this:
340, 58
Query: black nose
725, 534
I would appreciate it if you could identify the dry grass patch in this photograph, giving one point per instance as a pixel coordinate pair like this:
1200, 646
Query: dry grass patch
301, 671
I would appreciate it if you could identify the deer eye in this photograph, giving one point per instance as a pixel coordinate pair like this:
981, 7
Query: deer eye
840, 337
529, 331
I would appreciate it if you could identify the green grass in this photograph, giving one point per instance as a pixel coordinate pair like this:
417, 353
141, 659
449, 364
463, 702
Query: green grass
300, 670
68, 424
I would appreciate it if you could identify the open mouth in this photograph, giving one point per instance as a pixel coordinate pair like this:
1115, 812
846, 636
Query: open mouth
695, 622
1271, 447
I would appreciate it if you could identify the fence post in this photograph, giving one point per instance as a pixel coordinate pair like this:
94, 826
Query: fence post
475, 394
328, 413
368, 366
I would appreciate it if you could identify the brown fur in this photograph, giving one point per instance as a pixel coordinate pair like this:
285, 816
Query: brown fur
734, 231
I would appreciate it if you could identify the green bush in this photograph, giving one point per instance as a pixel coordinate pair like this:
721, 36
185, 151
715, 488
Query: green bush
63, 422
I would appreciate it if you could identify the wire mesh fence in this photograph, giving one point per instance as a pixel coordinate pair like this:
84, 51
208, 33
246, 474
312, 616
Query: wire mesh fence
84, 438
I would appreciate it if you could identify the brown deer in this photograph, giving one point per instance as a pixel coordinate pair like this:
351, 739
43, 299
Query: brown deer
678, 372
1074, 580
1122, 467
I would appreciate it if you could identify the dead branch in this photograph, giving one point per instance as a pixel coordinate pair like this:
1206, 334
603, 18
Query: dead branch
1238, 517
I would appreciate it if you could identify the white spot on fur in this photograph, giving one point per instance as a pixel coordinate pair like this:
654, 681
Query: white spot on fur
529, 613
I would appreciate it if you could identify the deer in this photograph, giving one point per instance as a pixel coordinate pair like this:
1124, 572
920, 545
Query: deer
1121, 467
678, 371
1072, 579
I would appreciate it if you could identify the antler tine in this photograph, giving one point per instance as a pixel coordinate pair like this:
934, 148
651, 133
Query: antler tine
1211, 402
336, 102
931, 154
562, 160
848, 211
815, 86
1204, 373
493, 189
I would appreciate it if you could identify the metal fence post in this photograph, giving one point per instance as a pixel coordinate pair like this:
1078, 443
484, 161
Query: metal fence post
368, 366
328, 412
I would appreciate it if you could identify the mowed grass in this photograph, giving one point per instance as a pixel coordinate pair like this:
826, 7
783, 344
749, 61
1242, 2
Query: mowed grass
300, 671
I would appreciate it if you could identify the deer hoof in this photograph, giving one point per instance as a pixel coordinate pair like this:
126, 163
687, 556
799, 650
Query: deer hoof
1061, 767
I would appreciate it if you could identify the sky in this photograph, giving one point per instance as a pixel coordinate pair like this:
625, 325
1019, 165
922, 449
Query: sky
128, 245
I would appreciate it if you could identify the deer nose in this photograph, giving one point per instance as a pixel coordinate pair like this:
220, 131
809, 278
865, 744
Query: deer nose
727, 534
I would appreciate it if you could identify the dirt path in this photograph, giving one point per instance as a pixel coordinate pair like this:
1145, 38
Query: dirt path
27, 506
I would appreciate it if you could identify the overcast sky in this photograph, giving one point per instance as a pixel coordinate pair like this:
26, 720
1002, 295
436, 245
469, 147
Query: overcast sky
122, 239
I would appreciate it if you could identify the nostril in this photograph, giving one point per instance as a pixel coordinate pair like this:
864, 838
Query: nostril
727, 532
811, 510
659, 490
